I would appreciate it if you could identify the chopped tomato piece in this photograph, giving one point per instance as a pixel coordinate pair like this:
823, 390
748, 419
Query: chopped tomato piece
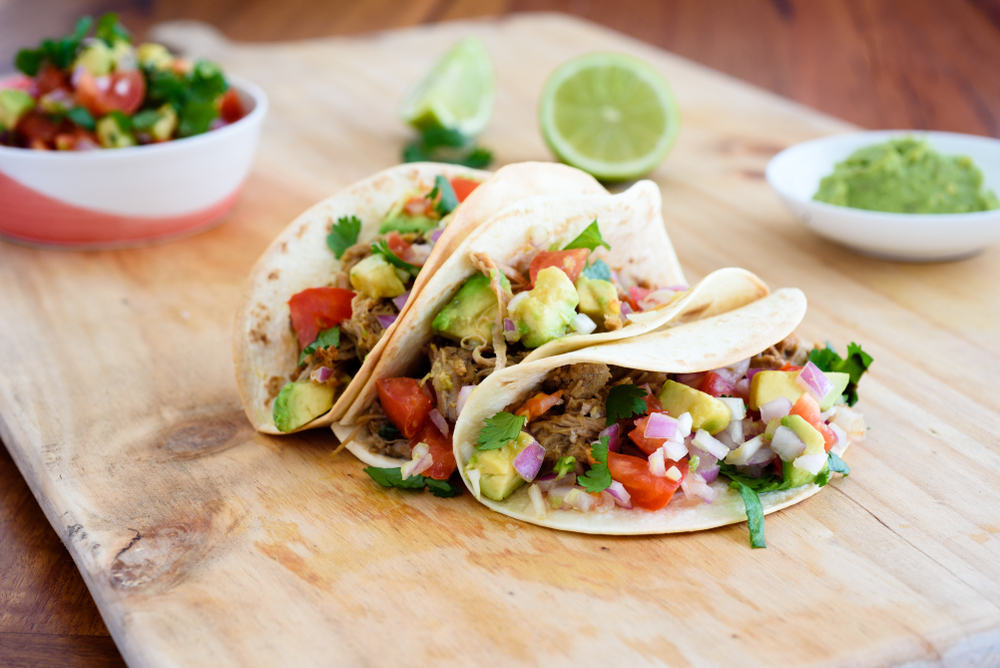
463, 187
441, 451
405, 404
636, 295
647, 445
790, 367
539, 404
647, 490
396, 243
716, 385
807, 408
37, 128
418, 206
123, 91
49, 79
653, 404
316, 309
571, 262
230, 108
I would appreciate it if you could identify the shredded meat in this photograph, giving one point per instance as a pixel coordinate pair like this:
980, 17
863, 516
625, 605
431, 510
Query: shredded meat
485, 264
379, 427
451, 368
363, 327
566, 434
788, 351
579, 381
353, 255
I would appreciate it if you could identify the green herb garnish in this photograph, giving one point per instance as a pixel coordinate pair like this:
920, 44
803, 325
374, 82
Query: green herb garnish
82, 117
60, 53
445, 145
111, 30
343, 234
855, 365
598, 478
500, 429
755, 513
394, 478
381, 247
328, 338
590, 239
565, 465
447, 199
144, 120
624, 401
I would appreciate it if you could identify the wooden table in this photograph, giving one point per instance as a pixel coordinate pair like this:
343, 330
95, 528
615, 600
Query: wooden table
912, 64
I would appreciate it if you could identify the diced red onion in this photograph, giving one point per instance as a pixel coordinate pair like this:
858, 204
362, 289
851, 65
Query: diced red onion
529, 460
656, 464
706, 442
709, 474
321, 374
510, 331
627, 309
400, 301
814, 381
582, 324
660, 425
620, 494
787, 444
706, 460
841, 436
463, 396
78, 73
386, 320
417, 254
696, 487
436, 234
762, 456
422, 460
742, 388
538, 236
549, 482
439, 421
753, 428
811, 463
614, 437
537, 502
734, 372
776, 408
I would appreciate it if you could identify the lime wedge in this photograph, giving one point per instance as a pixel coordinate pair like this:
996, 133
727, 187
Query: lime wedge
457, 94
609, 114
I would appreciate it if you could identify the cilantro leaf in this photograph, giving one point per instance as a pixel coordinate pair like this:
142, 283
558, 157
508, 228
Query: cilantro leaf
60, 53
598, 270
143, 120
343, 234
447, 145
389, 432
565, 465
499, 429
29, 61
769, 482
111, 30
448, 200
855, 366
82, 117
442, 488
381, 247
195, 117
394, 478
598, 478
755, 513
838, 465
327, 338
624, 401
590, 239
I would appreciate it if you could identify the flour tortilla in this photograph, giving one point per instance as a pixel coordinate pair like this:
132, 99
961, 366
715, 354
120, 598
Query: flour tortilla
687, 348
265, 348
630, 222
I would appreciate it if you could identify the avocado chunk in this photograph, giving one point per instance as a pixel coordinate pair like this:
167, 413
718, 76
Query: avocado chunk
404, 224
815, 445
706, 411
598, 299
301, 402
97, 58
471, 314
546, 313
769, 385
14, 104
498, 477
154, 56
166, 122
840, 381
112, 133
374, 277
772, 427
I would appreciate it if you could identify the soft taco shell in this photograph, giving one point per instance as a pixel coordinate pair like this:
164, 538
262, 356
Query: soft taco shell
688, 348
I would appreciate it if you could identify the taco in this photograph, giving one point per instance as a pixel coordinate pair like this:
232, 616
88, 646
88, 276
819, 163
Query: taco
321, 301
731, 410
546, 274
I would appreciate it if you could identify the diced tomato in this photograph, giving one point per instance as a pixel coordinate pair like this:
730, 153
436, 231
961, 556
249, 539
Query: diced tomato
230, 108
647, 490
441, 451
571, 262
37, 128
653, 404
396, 243
808, 409
316, 309
463, 187
647, 445
636, 295
538, 404
48, 79
405, 404
123, 91
716, 385
418, 206
790, 367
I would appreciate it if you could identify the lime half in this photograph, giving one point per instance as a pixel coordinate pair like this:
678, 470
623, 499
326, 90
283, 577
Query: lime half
609, 114
457, 94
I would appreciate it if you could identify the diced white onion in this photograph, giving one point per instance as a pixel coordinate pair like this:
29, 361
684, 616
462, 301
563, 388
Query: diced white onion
474, 476
734, 430
826, 415
734, 372
582, 324
657, 466
811, 463
422, 460
684, 423
776, 408
737, 408
695, 487
706, 442
535, 494
620, 494
580, 500
674, 450
439, 421
850, 421
787, 444
674, 473
463, 396
762, 456
741, 455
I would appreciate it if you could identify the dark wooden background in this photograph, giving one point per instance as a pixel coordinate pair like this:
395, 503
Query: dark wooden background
923, 64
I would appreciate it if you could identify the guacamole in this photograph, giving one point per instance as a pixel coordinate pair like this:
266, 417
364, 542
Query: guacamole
906, 176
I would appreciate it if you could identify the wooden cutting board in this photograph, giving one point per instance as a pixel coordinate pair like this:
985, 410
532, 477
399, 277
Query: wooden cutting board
205, 544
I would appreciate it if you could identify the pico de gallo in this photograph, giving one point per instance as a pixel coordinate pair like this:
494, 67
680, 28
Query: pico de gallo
338, 324
597, 437
94, 89
496, 319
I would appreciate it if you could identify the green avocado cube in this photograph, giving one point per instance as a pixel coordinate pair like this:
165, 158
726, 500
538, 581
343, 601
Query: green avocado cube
472, 313
14, 104
301, 402
706, 411
767, 386
97, 58
598, 299
840, 381
546, 313
815, 445
111, 133
374, 277
498, 477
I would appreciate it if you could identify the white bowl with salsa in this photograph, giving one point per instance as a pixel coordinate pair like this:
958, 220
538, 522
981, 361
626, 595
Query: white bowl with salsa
796, 172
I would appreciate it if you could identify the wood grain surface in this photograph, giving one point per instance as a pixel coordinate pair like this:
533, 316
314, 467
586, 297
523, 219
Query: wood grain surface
45, 617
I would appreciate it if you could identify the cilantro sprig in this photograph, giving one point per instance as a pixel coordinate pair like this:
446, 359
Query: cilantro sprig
590, 239
855, 365
447, 145
60, 53
343, 234
327, 338
624, 401
193, 94
381, 247
598, 270
598, 478
755, 513
447, 199
500, 429
393, 477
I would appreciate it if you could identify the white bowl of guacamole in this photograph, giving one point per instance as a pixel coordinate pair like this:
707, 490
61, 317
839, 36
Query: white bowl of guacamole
902, 171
